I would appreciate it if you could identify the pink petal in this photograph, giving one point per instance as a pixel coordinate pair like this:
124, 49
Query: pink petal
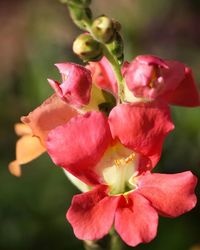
91, 214
78, 145
142, 72
137, 221
48, 115
186, 93
103, 75
142, 127
76, 84
173, 75
151, 60
151, 77
170, 194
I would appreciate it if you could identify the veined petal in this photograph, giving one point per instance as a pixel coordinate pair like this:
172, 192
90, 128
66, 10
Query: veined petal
78, 145
142, 127
136, 221
170, 194
50, 114
186, 93
92, 214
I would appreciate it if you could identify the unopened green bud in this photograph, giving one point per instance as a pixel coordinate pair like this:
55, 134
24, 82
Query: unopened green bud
103, 29
87, 48
117, 47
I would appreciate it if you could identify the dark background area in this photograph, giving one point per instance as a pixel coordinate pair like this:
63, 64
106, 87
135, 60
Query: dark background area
34, 35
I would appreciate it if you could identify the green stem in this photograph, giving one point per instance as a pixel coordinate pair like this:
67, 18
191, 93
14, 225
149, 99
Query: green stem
117, 71
109, 242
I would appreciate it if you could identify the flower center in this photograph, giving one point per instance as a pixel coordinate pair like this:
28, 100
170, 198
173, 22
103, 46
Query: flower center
118, 167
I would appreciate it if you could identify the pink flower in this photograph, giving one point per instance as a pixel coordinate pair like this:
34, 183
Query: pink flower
76, 84
54, 111
113, 156
138, 129
150, 77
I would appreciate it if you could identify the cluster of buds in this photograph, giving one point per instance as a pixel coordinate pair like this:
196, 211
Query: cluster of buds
109, 148
104, 32
101, 33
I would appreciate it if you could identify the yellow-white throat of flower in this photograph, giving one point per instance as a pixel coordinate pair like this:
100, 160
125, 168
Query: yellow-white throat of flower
118, 167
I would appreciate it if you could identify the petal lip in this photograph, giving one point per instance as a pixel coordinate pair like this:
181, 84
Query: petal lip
137, 221
143, 128
22, 129
91, 214
152, 60
15, 168
56, 87
28, 148
78, 152
186, 93
170, 194
64, 67
76, 84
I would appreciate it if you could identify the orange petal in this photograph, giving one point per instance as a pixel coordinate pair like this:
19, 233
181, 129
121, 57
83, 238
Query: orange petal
22, 129
50, 114
28, 148
15, 168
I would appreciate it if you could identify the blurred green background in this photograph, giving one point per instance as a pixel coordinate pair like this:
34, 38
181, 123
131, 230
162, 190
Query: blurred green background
34, 35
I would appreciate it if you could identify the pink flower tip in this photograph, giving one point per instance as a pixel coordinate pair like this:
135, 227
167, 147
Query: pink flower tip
152, 78
76, 84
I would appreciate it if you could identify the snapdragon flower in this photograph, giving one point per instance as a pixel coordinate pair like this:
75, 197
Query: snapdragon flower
114, 157
149, 78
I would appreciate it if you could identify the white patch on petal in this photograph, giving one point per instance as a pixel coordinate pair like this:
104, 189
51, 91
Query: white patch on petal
78, 183
117, 167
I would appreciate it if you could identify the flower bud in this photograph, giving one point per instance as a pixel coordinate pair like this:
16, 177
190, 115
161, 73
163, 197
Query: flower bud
144, 76
117, 47
87, 48
103, 29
